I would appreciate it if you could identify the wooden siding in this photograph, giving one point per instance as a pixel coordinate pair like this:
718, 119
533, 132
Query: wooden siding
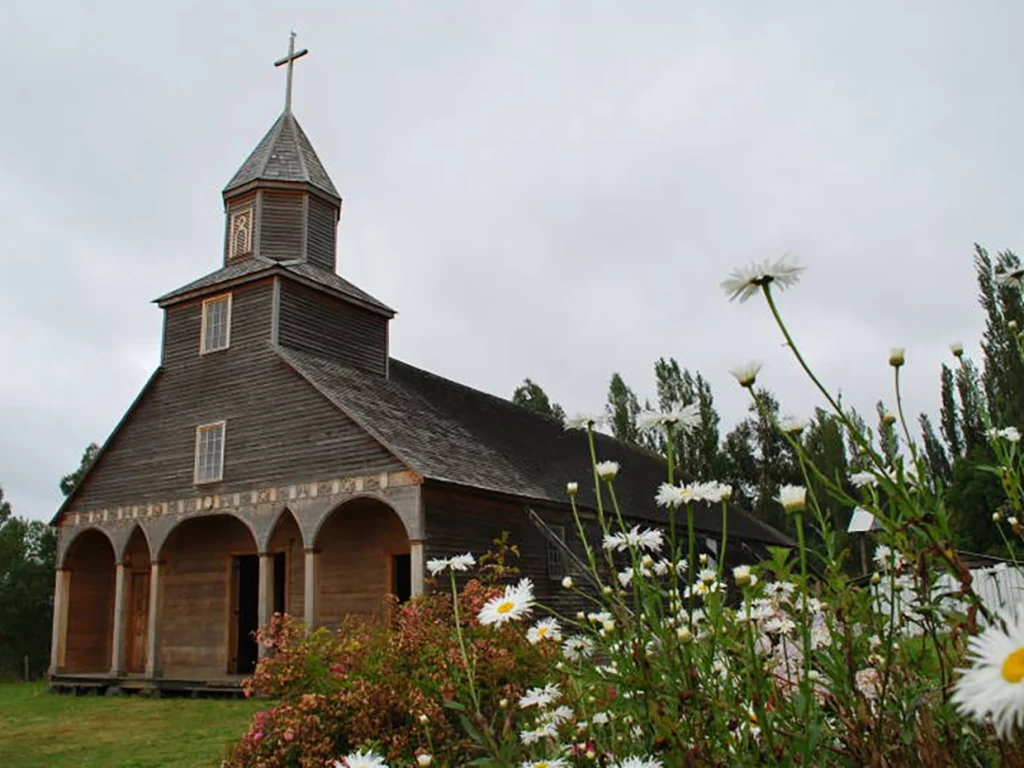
282, 225
458, 522
197, 584
91, 604
279, 429
323, 325
356, 544
321, 228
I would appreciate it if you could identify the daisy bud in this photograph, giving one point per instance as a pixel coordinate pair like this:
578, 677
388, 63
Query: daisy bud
703, 558
572, 488
957, 348
424, 719
607, 470
1013, 521
896, 358
609, 625
888, 418
606, 590
876, 578
647, 561
591, 754
581, 616
684, 635
1012, 325
742, 575
793, 498
424, 761
746, 374
567, 582
503, 703
996, 517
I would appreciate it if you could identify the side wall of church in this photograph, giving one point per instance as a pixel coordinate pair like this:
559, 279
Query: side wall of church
314, 323
278, 428
458, 522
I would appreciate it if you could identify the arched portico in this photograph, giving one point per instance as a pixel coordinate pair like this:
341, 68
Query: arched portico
84, 605
204, 598
363, 553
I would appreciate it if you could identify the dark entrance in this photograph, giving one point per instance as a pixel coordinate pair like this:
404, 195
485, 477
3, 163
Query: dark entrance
247, 611
401, 577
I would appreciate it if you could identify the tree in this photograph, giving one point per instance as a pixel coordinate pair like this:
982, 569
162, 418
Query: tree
696, 452
68, 482
1003, 377
27, 555
622, 409
531, 396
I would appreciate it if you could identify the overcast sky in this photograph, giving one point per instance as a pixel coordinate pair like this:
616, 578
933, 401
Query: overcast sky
542, 189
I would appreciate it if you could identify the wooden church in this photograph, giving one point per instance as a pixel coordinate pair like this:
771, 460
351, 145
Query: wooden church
279, 459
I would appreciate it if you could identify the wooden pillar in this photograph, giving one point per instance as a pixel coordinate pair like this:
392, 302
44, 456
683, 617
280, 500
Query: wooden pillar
311, 596
266, 595
155, 611
117, 641
416, 567
58, 640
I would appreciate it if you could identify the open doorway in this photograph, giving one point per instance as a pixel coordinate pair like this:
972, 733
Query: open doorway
401, 577
246, 599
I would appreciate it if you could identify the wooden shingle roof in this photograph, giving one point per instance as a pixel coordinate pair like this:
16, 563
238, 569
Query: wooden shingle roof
451, 433
284, 154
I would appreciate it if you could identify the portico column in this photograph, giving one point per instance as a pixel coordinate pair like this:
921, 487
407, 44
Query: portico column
416, 567
117, 642
266, 595
155, 612
58, 640
311, 586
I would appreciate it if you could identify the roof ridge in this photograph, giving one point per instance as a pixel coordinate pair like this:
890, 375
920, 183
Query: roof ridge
298, 147
275, 134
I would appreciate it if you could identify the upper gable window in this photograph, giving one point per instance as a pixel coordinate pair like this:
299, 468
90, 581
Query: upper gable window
216, 330
209, 467
240, 233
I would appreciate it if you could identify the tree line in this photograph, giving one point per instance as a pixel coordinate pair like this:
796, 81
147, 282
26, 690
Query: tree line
755, 457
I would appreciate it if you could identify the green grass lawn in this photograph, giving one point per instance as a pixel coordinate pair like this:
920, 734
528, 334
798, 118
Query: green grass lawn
38, 728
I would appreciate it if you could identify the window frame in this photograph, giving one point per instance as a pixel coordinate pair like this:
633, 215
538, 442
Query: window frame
203, 324
200, 430
554, 553
235, 214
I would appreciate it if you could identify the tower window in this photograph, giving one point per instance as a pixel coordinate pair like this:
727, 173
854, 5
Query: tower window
210, 452
241, 233
216, 328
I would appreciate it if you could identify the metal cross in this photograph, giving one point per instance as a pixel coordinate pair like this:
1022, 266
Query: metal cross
290, 61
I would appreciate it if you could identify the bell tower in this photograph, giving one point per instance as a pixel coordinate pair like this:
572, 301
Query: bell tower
281, 204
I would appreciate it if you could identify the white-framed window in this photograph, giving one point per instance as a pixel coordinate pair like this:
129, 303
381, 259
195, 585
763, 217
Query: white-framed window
210, 452
216, 329
240, 233
556, 557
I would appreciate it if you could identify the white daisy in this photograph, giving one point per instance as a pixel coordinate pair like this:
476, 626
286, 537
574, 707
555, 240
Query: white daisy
743, 576
545, 629
1009, 433
456, 563
744, 282
863, 479
584, 421
1013, 277
992, 685
746, 374
792, 425
515, 603
540, 697
793, 498
639, 762
437, 565
558, 715
577, 647
555, 762
423, 760
686, 417
572, 488
542, 731
360, 759
669, 495
607, 470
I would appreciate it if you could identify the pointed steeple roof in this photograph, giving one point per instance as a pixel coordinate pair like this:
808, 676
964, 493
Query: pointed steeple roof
284, 154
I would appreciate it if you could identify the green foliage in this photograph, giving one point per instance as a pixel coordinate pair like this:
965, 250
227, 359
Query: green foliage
27, 552
622, 409
696, 451
68, 482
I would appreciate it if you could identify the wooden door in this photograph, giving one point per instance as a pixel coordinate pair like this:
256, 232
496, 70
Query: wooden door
138, 622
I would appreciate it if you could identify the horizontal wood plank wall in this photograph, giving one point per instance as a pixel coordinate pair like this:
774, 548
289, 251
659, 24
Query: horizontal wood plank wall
279, 429
355, 544
91, 605
458, 522
282, 224
323, 325
245, 201
321, 229
288, 539
197, 590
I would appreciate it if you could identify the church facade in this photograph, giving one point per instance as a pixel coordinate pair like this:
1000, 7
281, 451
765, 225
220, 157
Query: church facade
279, 459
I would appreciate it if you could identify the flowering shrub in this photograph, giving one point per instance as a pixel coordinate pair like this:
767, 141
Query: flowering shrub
688, 660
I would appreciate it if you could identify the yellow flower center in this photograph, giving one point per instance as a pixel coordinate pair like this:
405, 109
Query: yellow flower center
505, 607
1013, 666
542, 631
